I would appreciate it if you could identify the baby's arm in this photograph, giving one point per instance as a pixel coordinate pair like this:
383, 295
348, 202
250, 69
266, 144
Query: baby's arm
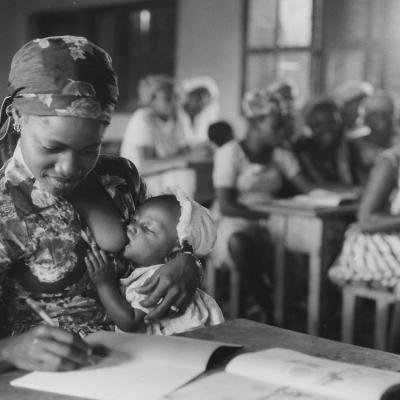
102, 274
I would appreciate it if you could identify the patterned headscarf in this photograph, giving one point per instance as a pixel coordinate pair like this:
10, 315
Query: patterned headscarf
259, 103
63, 76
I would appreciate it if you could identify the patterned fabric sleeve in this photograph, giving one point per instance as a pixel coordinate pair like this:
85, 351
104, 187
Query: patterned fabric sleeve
286, 162
118, 171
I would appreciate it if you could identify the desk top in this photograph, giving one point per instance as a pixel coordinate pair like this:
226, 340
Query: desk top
253, 336
291, 207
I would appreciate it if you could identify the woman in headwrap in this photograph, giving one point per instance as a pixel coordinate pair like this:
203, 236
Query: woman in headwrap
323, 151
379, 113
154, 138
248, 174
62, 92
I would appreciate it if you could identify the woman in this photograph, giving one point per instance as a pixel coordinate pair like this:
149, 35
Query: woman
371, 251
246, 175
155, 140
200, 108
63, 90
323, 153
379, 109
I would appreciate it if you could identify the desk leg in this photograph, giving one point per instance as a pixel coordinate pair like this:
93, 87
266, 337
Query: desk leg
314, 292
278, 226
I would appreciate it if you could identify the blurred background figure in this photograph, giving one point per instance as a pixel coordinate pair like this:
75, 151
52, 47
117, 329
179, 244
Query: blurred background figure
323, 150
286, 93
350, 97
247, 174
200, 108
220, 132
379, 117
154, 138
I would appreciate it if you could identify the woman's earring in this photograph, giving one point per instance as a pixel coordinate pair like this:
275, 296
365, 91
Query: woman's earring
17, 126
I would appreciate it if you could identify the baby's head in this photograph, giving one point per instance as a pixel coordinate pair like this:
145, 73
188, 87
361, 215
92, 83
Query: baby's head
165, 223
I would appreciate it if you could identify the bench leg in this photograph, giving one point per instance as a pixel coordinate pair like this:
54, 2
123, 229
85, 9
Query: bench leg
381, 323
348, 307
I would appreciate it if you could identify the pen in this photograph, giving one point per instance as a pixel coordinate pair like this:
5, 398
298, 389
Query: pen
39, 311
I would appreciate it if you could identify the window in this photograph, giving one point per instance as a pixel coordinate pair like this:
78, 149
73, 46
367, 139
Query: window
283, 41
140, 37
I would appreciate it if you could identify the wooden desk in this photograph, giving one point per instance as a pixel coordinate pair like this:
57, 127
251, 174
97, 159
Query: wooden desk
315, 231
253, 336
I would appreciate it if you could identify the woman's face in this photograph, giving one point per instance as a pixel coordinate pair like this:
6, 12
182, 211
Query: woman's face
165, 103
60, 151
326, 128
269, 130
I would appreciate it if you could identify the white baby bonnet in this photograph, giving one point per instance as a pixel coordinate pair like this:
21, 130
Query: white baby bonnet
196, 225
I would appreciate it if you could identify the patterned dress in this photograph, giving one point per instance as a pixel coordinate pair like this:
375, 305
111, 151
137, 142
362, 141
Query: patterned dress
373, 258
42, 252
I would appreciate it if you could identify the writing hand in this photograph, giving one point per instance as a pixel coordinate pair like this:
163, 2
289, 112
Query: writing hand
172, 285
45, 348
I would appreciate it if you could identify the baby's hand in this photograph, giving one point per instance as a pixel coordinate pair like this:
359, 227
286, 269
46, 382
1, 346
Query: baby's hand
99, 267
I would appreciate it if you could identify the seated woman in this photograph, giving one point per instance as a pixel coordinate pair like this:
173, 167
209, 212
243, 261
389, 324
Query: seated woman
247, 174
350, 96
379, 111
286, 93
155, 139
200, 108
63, 90
371, 251
322, 150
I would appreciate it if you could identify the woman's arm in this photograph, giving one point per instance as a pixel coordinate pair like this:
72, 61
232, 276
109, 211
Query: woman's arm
228, 204
101, 214
45, 348
150, 163
301, 183
172, 285
373, 215
102, 274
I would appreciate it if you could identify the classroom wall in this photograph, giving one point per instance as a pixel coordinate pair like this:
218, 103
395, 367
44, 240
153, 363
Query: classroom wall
208, 43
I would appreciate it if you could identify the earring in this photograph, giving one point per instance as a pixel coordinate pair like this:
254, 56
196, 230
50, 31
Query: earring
17, 126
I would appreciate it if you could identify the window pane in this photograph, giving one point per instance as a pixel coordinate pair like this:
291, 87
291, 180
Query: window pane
295, 66
295, 22
261, 23
344, 65
260, 70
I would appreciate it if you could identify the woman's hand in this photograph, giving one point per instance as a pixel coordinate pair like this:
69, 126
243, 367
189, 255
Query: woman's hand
45, 348
171, 288
100, 270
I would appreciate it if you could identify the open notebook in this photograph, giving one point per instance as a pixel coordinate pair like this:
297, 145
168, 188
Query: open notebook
325, 198
136, 366
281, 374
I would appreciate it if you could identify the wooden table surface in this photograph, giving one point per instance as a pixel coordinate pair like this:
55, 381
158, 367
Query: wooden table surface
253, 336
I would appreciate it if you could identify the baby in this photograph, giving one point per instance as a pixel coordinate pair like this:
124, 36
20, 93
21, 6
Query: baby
161, 226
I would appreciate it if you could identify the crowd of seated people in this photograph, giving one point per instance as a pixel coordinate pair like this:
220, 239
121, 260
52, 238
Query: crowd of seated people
332, 142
